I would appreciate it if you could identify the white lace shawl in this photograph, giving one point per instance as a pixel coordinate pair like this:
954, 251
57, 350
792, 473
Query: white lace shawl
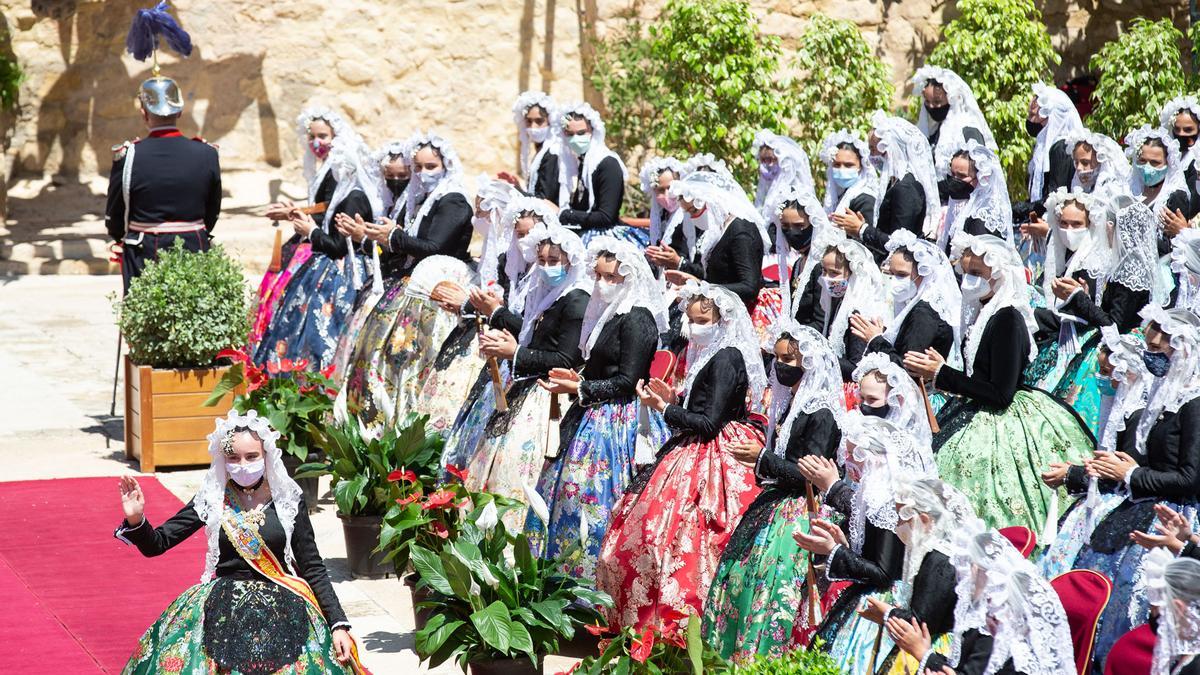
530, 165
1125, 355
947, 510
723, 203
1031, 624
1095, 256
1174, 181
964, 109
651, 170
989, 200
494, 196
837, 199
719, 174
906, 150
1010, 290
516, 264
981, 557
795, 170
1182, 382
1185, 262
312, 175
1166, 119
1112, 171
733, 330
1136, 258
939, 288
1169, 579
571, 167
865, 291
639, 289
534, 294
1062, 119
210, 500
450, 182
819, 221
820, 385
906, 405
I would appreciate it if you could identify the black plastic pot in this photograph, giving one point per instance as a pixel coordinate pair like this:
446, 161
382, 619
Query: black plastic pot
421, 615
307, 485
506, 667
362, 536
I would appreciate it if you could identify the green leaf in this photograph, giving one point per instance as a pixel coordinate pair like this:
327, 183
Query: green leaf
520, 641
228, 382
430, 639
695, 645
458, 576
429, 567
552, 612
495, 626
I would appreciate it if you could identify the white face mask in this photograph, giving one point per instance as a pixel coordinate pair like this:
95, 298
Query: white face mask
698, 334
246, 474
538, 134
903, 289
607, 291
430, 179
481, 223
1073, 239
974, 286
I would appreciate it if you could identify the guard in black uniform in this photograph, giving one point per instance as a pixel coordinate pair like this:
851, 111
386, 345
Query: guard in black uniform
162, 188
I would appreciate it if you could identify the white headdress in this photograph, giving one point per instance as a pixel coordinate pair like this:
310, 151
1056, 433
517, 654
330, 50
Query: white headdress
1136, 257
515, 262
572, 167
837, 199
865, 290
715, 171
353, 169
1174, 180
886, 456
651, 170
1125, 355
210, 500
535, 294
1062, 119
1010, 290
939, 288
417, 200
1031, 624
964, 109
1185, 262
494, 196
639, 289
988, 201
733, 330
337, 123
1095, 256
1170, 579
820, 384
1182, 382
794, 169
722, 203
530, 165
982, 559
392, 150
1171, 110
706, 161
906, 150
819, 221
906, 405
947, 509
1112, 172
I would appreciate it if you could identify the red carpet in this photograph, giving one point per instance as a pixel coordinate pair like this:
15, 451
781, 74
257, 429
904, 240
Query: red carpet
76, 600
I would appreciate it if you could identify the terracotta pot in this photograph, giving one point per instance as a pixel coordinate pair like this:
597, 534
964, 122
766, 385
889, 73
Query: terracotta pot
506, 667
308, 486
421, 615
362, 536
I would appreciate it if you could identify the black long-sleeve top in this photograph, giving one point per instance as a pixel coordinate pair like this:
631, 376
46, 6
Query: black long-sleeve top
882, 559
678, 241
546, 186
555, 339
609, 184
933, 597
174, 178
1058, 174
903, 208
973, 660
620, 357
1119, 306
808, 307
154, 541
1002, 357
864, 205
325, 239
718, 397
735, 261
445, 230
922, 327
1172, 467
815, 433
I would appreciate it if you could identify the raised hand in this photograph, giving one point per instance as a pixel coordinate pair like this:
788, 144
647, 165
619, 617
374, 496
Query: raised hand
133, 502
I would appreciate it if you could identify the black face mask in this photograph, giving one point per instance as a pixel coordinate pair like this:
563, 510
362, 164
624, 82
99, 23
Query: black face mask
1034, 128
939, 113
1185, 142
874, 411
787, 375
396, 185
958, 188
798, 239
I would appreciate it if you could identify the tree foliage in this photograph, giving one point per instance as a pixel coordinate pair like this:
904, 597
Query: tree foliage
1000, 48
1139, 72
11, 77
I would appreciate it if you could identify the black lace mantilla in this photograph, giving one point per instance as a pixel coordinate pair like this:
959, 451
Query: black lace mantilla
253, 627
501, 422
457, 344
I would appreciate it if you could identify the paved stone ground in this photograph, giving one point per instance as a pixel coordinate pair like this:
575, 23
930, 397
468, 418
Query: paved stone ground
57, 367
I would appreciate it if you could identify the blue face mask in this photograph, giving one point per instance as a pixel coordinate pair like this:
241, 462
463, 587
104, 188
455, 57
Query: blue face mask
1157, 363
1151, 176
1106, 387
554, 274
580, 144
769, 171
844, 178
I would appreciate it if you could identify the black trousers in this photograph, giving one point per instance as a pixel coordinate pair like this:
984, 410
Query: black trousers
136, 255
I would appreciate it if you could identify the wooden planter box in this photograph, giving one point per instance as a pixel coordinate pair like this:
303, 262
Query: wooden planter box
166, 423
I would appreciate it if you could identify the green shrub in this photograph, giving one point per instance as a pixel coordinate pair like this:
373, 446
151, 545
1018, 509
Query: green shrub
1000, 48
184, 309
11, 77
1139, 72
811, 661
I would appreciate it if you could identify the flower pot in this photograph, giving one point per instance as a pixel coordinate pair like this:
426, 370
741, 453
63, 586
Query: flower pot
583, 645
506, 667
308, 486
166, 422
421, 615
362, 536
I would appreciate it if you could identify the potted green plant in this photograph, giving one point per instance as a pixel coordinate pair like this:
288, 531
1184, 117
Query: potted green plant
292, 397
364, 468
661, 649
178, 315
812, 661
494, 606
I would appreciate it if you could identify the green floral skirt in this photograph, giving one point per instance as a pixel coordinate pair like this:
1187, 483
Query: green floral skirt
996, 458
268, 633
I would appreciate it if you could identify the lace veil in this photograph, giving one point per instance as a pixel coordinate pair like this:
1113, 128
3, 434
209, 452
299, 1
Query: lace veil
571, 167
651, 170
939, 288
1174, 181
864, 292
837, 199
794, 169
964, 109
820, 385
1062, 119
639, 289
534, 294
1182, 382
988, 201
1171, 580
532, 162
906, 405
906, 150
1009, 290
733, 330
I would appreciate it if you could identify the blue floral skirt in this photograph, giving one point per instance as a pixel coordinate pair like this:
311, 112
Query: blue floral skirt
313, 313
635, 235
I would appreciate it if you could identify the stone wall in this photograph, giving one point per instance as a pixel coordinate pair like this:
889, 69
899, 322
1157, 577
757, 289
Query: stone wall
393, 66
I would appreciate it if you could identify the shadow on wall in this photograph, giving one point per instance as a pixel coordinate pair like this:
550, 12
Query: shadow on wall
92, 102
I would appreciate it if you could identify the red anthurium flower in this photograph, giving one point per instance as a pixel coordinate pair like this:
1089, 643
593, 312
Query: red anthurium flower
308, 388
405, 501
286, 365
671, 615
327, 371
254, 378
595, 629
300, 364
439, 529
273, 367
573, 668
675, 638
235, 355
439, 500
460, 474
642, 646
403, 474
331, 392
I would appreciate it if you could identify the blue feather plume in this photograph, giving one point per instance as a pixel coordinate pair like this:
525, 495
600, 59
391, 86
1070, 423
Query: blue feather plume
149, 25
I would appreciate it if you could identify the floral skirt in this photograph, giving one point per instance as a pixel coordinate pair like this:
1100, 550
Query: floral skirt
637, 236
447, 380
758, 598
312, 315
512, 451
1075, 379
467, 431
271, 291
766, 312
367, 299
583, 484
851, 639
244, 627
1074, 532
668, 531
996, 458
